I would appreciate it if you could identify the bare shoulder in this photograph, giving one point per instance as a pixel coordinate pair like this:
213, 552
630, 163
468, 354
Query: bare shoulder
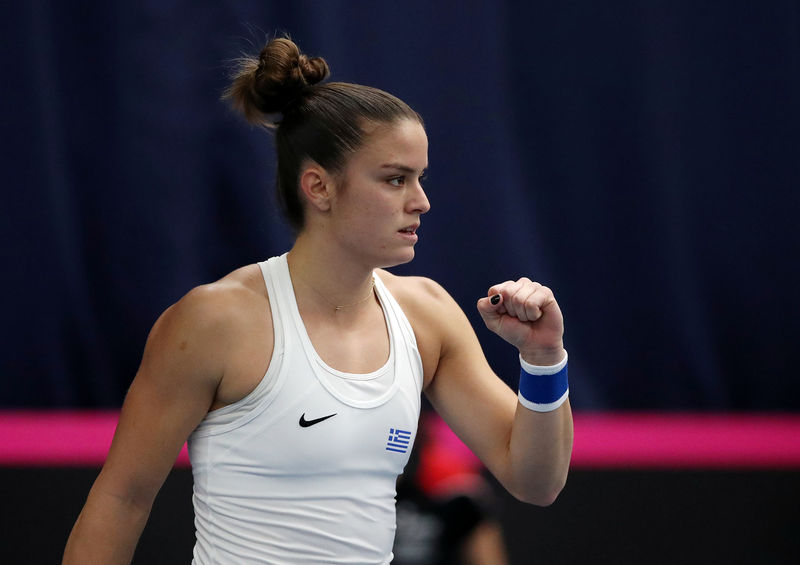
424, 301
416, 292
222, 302
208, 319
435, 317
242, 284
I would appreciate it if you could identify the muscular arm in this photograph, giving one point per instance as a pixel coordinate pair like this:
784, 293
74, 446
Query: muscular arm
181, 368
528, 452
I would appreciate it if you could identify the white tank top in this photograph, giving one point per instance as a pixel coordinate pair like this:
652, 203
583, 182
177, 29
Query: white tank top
303, 469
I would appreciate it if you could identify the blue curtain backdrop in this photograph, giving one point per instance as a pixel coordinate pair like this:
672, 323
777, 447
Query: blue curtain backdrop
641, 158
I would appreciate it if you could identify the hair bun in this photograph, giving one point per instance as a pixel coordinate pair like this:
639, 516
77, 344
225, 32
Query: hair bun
278, 76
313, 69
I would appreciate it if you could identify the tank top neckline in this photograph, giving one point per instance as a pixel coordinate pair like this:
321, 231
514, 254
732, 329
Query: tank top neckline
325, 372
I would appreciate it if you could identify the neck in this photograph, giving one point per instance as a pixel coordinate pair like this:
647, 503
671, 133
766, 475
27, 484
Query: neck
326, 279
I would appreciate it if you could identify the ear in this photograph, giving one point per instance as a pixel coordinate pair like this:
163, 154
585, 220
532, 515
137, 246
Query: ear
318, 186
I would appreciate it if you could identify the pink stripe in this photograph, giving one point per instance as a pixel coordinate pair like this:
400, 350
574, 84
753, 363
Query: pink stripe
602, 440
678, 441
60, 438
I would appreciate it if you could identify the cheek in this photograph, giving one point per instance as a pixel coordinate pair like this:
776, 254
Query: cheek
375, 211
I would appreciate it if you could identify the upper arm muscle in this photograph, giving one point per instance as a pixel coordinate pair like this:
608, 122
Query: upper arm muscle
181, 368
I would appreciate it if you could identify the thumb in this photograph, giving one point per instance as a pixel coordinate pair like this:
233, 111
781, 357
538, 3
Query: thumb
491, 308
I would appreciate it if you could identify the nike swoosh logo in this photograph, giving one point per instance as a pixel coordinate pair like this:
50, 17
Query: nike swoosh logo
306, 423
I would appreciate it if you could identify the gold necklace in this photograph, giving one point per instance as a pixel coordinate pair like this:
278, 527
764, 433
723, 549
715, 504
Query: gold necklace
336, 307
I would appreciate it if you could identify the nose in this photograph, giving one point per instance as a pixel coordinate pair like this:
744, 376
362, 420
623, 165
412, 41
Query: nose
418, 200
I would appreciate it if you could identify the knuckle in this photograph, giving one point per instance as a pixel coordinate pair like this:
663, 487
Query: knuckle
533, 305
500, 287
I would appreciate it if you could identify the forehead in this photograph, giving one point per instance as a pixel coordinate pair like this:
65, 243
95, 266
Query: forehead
404, 142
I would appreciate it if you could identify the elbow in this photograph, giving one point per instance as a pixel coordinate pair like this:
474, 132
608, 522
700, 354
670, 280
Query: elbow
543, 499
540, 495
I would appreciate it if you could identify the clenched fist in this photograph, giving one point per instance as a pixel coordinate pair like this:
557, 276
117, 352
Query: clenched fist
526, 315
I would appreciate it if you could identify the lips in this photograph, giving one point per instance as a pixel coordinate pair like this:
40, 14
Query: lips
412, 229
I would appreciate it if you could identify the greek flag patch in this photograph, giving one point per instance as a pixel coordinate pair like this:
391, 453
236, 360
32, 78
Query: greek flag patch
398, 440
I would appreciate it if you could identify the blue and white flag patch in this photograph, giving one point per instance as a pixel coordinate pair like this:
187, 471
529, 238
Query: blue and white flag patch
399, 440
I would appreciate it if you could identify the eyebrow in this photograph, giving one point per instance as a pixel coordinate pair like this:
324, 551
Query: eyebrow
400, 167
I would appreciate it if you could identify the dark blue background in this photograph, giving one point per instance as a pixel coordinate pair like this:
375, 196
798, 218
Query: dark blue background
642, 158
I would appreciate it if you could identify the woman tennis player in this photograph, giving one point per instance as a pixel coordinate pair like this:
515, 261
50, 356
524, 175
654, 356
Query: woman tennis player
297, 381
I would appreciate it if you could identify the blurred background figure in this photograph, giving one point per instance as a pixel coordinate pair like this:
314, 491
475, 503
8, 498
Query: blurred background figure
445, 506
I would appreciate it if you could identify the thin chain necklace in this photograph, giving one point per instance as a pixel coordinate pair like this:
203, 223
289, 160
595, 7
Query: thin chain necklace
337, 307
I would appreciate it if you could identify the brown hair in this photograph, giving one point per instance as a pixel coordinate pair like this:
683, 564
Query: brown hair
282, 90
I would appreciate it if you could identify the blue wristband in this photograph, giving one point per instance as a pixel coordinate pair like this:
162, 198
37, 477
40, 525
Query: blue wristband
543, 389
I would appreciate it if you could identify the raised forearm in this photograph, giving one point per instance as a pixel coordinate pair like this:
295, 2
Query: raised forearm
539, 454
526, 314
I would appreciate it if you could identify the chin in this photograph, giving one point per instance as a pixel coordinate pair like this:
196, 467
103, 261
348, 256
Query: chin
399, 259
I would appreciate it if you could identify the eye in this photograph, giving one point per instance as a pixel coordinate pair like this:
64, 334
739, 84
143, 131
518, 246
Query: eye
423, 177
397, 181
